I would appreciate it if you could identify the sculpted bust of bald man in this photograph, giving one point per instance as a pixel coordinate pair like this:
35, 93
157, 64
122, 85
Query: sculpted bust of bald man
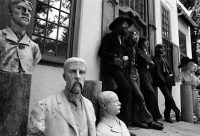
66, 113
109, 124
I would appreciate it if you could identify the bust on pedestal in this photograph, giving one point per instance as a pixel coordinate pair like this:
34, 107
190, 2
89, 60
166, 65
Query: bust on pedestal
18, 55
189, 80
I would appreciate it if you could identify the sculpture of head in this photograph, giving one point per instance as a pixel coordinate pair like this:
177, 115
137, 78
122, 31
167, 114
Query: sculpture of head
20, 11
74, 74
192, 67
109, 103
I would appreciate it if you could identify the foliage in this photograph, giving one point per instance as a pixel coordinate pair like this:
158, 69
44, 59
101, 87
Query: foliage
188, 4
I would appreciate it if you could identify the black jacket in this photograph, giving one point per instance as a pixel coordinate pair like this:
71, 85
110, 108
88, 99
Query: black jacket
159, 76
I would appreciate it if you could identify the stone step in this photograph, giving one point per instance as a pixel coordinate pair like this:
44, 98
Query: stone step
170, 129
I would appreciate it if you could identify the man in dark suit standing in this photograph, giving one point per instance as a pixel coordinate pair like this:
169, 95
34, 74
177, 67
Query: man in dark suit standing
113, 58
144, 65
164, 79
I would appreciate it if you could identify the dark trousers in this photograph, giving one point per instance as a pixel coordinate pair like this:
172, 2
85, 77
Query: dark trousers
169, 101
149, 95
123, 90
138, 99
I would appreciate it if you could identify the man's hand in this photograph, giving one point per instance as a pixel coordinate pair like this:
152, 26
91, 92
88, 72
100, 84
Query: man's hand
118, 61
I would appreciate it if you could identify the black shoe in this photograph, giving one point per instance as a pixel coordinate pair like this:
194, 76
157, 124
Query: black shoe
168, 119
140, 124
157, 122
178, 117
156, 126
132, 134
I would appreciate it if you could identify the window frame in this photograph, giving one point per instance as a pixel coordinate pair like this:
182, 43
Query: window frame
169, 26
183, 49
166, 40
73, 38
124, 3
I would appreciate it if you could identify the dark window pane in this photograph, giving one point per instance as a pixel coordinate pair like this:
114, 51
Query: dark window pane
127, 2
51, 26
39, 41
182, 44
50, 47
61, 49
53, 15
64, 19
132, 4
55, 3
139, 8
136, 5
169, 52
165, 23
39, 27
51, 31
63, 34
66, 5
41, 10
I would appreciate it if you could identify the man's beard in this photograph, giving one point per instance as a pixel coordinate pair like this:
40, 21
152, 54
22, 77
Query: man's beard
122, 32
75, 87
74, 95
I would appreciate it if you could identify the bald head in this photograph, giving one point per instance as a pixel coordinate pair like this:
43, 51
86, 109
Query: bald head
109, 103
106, 97
73, 60
192, 66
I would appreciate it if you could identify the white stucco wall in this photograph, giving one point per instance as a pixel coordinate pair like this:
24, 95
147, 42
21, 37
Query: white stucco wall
90, 36
172, 8
47, 80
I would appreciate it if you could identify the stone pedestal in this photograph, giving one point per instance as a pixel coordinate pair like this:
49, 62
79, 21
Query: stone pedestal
14, 103
195, 96
186, 103
91, 91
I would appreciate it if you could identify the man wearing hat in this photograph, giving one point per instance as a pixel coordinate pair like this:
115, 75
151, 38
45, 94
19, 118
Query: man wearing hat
113, 58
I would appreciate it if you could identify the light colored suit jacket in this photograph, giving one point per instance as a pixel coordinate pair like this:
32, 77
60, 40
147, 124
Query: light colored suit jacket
108, 127
54, 116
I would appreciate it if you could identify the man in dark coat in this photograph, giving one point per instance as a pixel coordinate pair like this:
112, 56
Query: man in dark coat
164, 79
139, 114
113, 58
144, 65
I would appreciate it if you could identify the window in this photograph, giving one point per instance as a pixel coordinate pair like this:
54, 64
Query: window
135, 5
165, 23
169, 52
182, 44
52, 28
166, 36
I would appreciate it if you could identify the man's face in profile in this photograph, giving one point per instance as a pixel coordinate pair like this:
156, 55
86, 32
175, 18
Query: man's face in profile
192, 66
75, 76
21, 14
113, 107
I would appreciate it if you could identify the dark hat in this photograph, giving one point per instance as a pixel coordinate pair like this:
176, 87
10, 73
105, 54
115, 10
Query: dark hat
119, 20
185, 61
